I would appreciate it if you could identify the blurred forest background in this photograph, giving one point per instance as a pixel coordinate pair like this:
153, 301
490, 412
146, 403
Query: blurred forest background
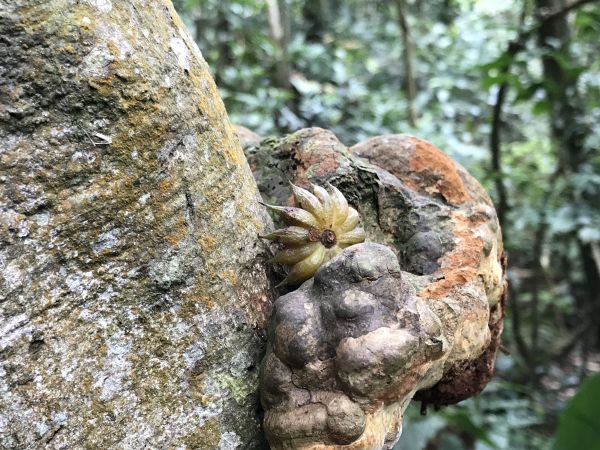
511, 89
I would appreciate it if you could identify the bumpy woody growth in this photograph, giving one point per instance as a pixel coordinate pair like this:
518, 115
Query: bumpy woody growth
345, 352
378, 325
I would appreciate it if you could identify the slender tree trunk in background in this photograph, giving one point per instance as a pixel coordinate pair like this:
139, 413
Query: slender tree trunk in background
502, 206
568, 128
316, 17
561, 88
277, 30
496, 151
410, 88
130, 287
550, 13
286, 119
225, 59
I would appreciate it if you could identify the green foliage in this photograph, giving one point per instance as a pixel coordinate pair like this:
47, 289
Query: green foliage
580, 424
500, 419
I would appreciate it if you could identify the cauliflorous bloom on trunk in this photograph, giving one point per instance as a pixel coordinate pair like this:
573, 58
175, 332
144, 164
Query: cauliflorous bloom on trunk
320, 227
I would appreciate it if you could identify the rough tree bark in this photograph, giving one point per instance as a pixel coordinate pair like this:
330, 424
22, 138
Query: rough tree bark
130, 287
134, 294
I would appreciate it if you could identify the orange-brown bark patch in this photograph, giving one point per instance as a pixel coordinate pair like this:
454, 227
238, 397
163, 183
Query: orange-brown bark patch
444, 286
421, 166
324, 164
441, 174
321, 161
179, 233
461, 265
469, 252
465, 379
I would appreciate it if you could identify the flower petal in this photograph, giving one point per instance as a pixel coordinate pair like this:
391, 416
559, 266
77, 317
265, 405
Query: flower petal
307, 201
355, 236
326, 218
289, 236
295, 254
351, 221
295, 216
340, 205
306, 268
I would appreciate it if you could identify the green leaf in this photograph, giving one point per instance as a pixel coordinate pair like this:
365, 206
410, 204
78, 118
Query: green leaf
500, 63
527, 91
580, 423
501, 78
541, 107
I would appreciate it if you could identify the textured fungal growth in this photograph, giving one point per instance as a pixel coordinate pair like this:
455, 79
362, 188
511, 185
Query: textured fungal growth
319, 228
346, 352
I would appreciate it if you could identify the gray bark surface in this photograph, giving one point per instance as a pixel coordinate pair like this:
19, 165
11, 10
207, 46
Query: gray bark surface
131, 285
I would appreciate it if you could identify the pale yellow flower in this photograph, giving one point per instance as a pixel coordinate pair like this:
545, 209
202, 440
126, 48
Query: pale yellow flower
320, 227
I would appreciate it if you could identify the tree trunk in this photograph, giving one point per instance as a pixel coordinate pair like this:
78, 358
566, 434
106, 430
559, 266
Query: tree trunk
568, 129
410, 88
315, 14
130, 287
279, 35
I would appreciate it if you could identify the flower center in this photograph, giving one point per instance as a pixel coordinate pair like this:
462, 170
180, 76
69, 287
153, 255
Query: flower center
328, 238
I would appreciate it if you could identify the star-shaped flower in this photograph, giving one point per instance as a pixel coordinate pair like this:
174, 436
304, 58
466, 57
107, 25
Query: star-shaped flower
320, 227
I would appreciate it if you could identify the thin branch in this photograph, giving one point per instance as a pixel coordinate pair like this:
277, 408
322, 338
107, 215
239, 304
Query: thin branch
547, 16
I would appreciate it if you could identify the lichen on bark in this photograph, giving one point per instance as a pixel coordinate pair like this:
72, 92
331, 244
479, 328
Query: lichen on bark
131, 283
